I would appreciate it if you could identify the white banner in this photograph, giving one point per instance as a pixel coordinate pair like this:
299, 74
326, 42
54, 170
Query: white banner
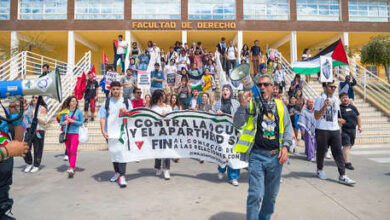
143, 79
111, 77
180, 134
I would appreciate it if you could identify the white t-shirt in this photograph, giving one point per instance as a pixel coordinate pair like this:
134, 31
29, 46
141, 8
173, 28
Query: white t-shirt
160, 110
231, 52
120, 49
194, 102
329, 121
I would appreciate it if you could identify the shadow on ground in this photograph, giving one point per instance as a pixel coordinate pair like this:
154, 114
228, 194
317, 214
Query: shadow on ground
227, 216
298, 175
64, 168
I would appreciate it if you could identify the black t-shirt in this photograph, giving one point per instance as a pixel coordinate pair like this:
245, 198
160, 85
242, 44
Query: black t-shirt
349, 113
221, 48
267, 135
90, 89
255, 50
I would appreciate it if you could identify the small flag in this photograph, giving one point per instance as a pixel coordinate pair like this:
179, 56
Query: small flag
105, 60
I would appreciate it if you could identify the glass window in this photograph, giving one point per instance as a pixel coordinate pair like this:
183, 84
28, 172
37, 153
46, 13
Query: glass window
42, 9
4, 9
99, 9
318, 10
266, 9
208, 10
368, 10
372, 69
156, 9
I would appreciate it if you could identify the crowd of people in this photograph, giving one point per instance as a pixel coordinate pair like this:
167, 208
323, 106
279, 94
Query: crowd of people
322, 122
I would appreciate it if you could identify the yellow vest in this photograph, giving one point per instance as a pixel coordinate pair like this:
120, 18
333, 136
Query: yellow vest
249, 130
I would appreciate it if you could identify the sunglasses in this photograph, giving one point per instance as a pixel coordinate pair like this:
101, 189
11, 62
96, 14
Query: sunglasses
333, 87
263, 84
35, 97
139, 92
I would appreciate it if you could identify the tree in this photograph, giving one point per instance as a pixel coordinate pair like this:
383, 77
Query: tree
33, 43
377, 52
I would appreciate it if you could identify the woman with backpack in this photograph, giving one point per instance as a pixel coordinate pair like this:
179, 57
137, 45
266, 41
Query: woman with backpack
72, 122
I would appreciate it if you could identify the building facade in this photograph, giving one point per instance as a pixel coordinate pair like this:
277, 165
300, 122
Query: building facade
71, 27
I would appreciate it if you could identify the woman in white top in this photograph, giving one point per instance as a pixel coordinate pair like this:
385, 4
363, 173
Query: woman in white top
155, 56
279, 76
306, 55
39, 135
182, 60
158, 105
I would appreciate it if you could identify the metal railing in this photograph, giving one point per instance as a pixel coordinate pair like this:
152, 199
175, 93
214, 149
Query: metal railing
27, 63
68, 82
308, 91
371, 84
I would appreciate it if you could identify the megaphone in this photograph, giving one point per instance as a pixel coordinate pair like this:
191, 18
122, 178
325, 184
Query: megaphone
48, 85
241, 73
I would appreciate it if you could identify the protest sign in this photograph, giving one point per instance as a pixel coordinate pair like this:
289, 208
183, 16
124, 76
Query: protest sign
110, 77
181, 134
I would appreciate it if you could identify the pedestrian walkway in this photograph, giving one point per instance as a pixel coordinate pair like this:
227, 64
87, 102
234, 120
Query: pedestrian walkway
376, 153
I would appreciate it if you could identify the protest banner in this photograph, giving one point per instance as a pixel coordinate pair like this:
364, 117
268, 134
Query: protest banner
181, 134
111, 77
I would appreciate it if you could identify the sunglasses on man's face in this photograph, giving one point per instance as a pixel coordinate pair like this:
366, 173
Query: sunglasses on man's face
34, 97
263, 84
333, 87
139, 92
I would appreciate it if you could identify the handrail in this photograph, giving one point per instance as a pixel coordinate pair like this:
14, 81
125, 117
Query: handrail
308, 91
371, 84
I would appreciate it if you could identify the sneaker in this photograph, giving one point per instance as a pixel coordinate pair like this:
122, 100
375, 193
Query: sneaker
234, 182
220, 175
328, 154
122, 182
201, 161
167, 176
346, 180
349, 166
34, 169
85, 120
92, 119
28, 168
115, 177
313, 159
70, 172
66, 158
321, 174
158, 172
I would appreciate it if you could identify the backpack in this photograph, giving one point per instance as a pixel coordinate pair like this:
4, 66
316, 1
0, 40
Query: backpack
107, 105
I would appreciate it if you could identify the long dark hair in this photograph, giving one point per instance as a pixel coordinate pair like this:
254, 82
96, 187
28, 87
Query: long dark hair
66, 103
77, 101
42, 103
173, 105
157, 94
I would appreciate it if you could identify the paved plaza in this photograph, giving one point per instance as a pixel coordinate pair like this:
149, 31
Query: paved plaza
194, 192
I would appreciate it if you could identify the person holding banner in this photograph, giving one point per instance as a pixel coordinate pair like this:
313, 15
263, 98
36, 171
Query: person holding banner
227, 105
326, 113
265, 142
160, 107
170, 72
110, 125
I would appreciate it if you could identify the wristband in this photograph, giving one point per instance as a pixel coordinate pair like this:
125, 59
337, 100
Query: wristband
6, 150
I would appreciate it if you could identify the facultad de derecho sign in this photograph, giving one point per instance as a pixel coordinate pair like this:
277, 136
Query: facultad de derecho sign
145, 25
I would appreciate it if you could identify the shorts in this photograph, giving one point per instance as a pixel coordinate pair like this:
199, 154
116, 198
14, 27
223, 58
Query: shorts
348, 137
89, 102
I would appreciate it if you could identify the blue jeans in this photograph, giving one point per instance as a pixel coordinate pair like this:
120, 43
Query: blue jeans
264, 181
233, 174
116, 58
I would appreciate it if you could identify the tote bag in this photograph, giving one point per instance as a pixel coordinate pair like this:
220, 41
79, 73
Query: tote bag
83, 135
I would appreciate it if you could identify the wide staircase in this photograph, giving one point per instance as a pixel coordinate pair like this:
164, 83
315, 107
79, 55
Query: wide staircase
375, 117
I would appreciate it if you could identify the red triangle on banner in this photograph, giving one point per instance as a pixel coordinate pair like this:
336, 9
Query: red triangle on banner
339, 53
139, 144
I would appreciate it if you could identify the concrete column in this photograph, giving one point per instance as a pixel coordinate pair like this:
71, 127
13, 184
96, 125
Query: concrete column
345, 39
13, 72
71, 51
293, 46
239, 44
128, 40
14, 42
183, 37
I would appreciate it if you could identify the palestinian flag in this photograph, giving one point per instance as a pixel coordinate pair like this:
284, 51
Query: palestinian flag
313, 64
126, 51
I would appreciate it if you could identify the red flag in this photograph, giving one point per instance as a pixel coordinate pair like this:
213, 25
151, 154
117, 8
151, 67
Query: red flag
93, 71
105, 60
339, 53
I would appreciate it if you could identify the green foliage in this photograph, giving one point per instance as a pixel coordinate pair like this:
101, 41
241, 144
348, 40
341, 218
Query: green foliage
34, 43
377, 51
